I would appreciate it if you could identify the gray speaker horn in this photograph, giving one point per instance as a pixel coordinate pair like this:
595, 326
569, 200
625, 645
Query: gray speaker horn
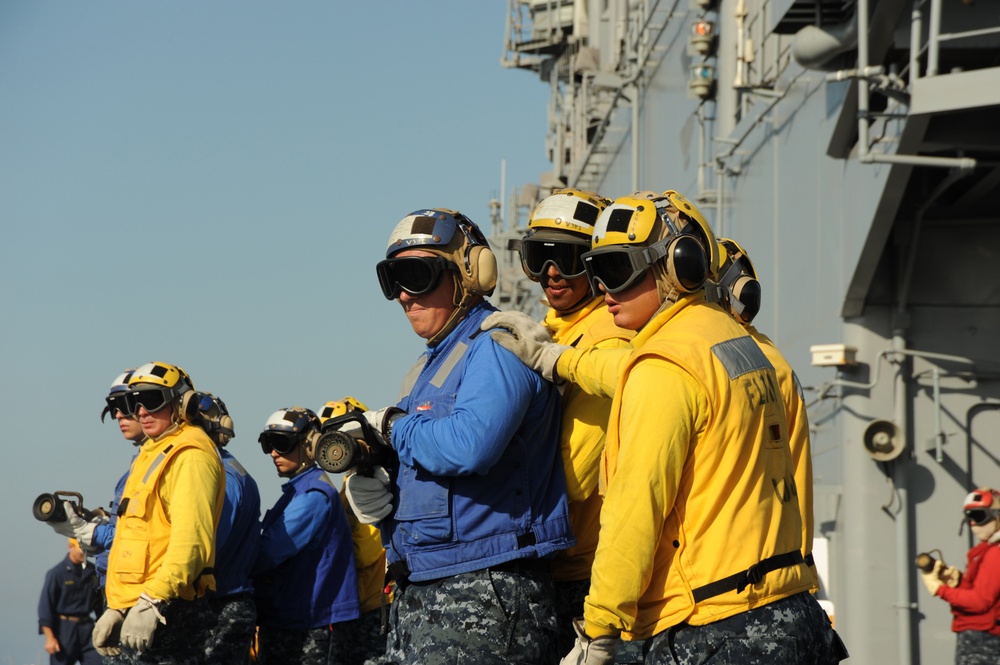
882, 440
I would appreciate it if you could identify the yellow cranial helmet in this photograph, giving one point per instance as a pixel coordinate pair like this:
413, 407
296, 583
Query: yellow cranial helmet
738, 279
164, 375
649, 230
157, 384
336, 408
570, 210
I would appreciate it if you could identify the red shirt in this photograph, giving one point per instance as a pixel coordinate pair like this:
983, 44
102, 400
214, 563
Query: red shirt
975, 602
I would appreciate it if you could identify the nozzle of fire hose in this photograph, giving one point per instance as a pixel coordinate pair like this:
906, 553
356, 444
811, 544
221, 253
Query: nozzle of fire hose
925, 562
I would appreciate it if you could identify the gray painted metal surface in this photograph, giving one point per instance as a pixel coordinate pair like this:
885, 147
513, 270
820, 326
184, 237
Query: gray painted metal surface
899, 260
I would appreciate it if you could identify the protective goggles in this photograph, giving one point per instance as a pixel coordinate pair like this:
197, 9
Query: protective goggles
537, 255
416, 275
280, 442
619, 267
980, 516
119, 402
151, 399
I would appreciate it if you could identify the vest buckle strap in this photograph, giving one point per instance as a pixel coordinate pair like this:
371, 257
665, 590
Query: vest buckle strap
752, 575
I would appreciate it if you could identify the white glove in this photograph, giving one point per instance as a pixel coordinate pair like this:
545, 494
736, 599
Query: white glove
140, 624
932, 579
370, 497
527, 339
952, 576
77, 527
590, 651
382, 420
106, 633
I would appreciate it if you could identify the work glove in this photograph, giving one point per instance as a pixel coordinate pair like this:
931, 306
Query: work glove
107, 633
590, 651
951, 576
932, 578
77, 527
370, 497
382, 420
527, 339
140, 624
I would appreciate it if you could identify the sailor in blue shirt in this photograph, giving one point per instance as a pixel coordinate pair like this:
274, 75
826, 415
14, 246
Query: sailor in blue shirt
478, 499
304, 577
65, 610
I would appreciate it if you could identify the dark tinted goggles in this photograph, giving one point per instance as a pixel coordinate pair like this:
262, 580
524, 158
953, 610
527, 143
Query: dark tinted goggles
119, 402
416, 275
616, 269
280, 442
980, 516
536, 255
152, 400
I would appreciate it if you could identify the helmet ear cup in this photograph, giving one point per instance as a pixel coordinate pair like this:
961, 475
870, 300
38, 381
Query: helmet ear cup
483, 264
687, 263
309, 444
746, 290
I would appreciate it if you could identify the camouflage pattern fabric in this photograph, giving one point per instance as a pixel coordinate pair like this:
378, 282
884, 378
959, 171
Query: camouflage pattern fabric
181, 641
290, 646
792, 631
359, 642
569, 597
479, 618
976, 647
124, 658
231, 634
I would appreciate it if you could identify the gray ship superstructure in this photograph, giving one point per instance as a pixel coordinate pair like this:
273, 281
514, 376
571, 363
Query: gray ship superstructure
853, 149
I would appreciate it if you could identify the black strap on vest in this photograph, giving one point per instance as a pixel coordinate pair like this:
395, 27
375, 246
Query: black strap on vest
752, 575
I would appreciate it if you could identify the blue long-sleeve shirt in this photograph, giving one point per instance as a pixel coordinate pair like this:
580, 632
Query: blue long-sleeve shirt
303, 520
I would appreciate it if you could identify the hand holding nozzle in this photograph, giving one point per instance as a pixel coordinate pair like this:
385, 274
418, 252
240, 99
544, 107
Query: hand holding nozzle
68, 517
934, 572
349, 442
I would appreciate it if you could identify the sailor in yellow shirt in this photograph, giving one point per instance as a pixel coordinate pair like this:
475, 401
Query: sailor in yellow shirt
741, 297
700, 547
367, 643
163, 551
559, 231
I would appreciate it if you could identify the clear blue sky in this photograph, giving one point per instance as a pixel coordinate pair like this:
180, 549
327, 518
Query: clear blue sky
210, 184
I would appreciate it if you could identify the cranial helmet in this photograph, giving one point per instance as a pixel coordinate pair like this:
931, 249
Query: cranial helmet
648, 230
300, 424
168, 382
559, 232
738, 279
984, 498
456, 238
338, 408
572, 211
118, 387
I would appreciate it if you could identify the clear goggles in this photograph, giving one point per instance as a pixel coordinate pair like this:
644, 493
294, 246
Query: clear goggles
280, 442
416, 275
621, 266
538, 254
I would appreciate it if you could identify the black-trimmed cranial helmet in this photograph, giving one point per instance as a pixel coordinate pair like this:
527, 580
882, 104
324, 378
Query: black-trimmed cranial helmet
335, 408
663, 231
298, 423
738, 278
